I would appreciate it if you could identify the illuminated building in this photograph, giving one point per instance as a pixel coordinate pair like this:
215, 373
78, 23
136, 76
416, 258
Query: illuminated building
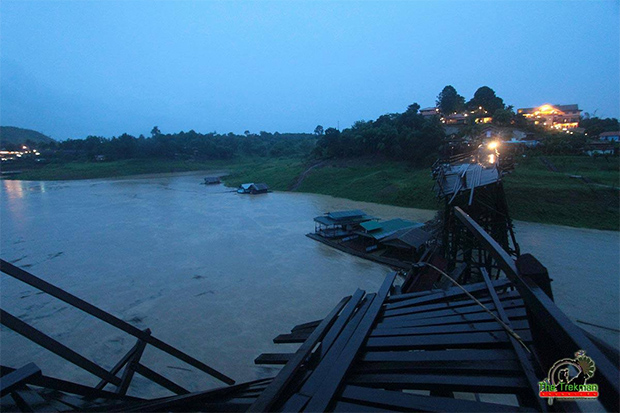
560, 117
484, 119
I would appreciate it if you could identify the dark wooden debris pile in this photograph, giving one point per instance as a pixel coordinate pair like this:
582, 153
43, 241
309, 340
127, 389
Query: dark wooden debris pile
404, 351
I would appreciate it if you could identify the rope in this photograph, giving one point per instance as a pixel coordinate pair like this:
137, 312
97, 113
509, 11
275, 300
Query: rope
504, 325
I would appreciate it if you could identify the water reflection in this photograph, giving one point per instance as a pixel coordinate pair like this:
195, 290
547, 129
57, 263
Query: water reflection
13, 189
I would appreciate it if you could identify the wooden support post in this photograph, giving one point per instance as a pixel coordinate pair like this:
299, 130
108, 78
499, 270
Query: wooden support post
131, 366
528, 266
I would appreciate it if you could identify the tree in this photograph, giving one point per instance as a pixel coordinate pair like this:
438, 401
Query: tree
503, 117
595, 126
318, 130
246, 133
155, 131
486, 99
449, 101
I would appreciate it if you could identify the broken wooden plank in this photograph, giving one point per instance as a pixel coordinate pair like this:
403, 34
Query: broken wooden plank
266, 400
16, 379
273, 358
325, 393
475, 340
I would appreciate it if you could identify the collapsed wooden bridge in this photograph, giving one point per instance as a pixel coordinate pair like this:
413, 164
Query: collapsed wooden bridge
438, 350
479, 347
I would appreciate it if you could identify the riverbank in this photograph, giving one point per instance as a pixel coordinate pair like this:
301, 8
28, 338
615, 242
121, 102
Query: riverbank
535, 193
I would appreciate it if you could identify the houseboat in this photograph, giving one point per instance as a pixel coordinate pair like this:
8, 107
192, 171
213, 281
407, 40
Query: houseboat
252, 188
340, 224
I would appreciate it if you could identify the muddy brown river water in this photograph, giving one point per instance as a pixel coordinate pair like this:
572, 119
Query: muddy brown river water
218, 274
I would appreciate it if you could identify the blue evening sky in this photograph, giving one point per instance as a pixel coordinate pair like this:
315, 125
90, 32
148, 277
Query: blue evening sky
78, 68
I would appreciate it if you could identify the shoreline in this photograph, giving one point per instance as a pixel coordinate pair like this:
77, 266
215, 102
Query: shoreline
246, 170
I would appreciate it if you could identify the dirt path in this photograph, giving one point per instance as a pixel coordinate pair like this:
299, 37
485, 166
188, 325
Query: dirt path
303, 175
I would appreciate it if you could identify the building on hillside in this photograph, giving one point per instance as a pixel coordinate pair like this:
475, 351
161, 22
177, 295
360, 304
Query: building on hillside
610, 136
560, 117
430, 111
340, 223
455, 119
600, 148
484, 119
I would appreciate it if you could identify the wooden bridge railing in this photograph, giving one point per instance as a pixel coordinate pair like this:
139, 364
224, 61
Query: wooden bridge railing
131, 360
557, 336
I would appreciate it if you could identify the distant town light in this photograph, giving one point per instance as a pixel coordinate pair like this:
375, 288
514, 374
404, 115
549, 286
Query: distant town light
493, 145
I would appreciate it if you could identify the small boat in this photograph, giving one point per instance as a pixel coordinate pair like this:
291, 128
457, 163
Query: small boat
212, 180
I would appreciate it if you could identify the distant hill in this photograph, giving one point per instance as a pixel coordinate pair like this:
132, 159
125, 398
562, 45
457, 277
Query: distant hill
11, 134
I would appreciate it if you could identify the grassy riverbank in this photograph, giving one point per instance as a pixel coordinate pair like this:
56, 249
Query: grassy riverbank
534, 192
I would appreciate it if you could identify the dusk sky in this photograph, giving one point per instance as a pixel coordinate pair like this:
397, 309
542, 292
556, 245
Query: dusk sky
75, 68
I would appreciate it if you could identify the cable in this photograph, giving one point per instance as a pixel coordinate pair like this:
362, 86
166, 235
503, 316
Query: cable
504, 325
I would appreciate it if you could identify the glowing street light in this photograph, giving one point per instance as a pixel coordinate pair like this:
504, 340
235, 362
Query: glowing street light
493, 145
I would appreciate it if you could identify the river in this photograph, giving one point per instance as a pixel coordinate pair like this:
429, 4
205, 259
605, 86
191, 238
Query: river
218, 274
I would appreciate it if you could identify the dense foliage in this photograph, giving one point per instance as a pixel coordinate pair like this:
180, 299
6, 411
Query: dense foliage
405, 136
185, 145
486, 99
449, 101
594, 126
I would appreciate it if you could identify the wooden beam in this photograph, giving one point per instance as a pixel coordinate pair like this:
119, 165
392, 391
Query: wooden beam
96, 312
465, 383
404, 321
567, 337
158, 378
267, 399
274, 358
325, 393
531, 375
18, 378
447, 329
467, 309
463, 340
453, 303
380, 399
55, 347
452, 293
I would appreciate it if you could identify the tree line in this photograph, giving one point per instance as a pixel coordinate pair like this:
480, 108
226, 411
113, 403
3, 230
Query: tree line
184, 145
403, 136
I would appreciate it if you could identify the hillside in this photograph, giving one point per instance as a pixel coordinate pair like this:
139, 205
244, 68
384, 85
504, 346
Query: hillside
13, 135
